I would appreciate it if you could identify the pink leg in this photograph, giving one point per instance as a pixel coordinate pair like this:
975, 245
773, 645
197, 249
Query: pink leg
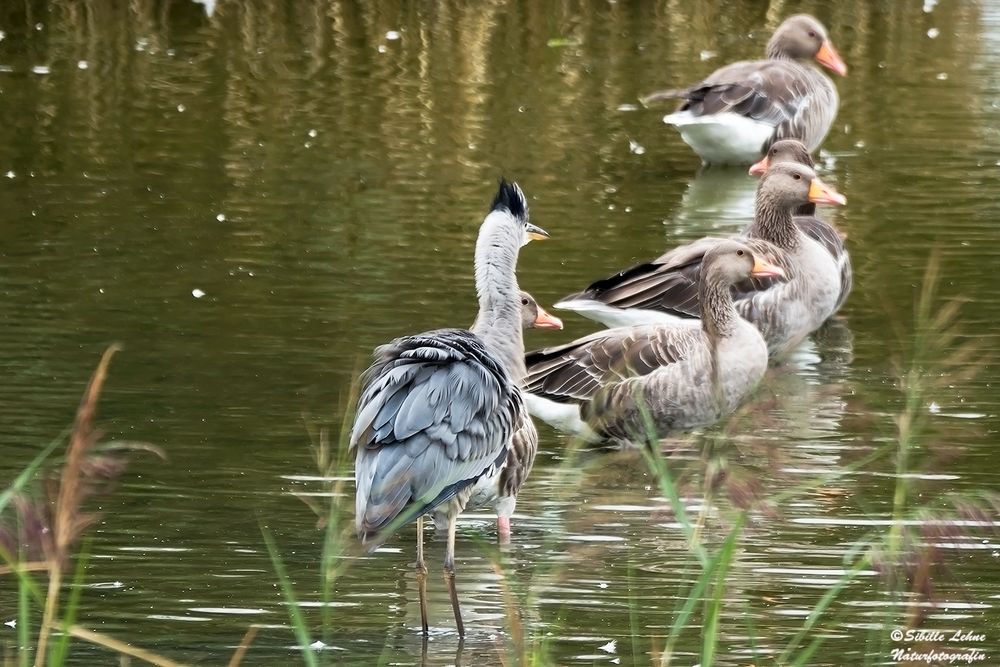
503, 529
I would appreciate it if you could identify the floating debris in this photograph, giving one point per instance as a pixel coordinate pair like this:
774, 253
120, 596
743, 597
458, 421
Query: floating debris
41, 69
83, 64
197, 293
559, 42
942, 76
933, 408
635, 147
392, 35
382, 48
609, 647
221, 217
929, 6
628, 107
707, 55
933, 33
312, 133
181, 108
10, 174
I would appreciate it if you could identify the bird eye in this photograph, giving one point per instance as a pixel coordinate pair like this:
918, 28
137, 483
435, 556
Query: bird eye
524, 302
797, 177
812, 33
740, 253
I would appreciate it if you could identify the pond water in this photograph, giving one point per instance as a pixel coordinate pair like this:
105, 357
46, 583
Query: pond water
250, 201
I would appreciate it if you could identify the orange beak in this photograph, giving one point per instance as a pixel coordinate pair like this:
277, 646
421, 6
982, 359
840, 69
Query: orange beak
758, 168
821, 193
764, 269
546, 321
827, 56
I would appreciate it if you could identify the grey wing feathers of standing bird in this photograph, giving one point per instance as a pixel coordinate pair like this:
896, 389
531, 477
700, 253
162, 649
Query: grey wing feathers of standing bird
434, 414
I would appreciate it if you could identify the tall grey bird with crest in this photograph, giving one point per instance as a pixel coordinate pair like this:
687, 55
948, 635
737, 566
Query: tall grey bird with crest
438, 410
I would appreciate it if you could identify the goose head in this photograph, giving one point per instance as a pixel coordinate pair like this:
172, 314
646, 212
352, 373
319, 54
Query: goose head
789, 185
731, 262
786, 150
534, 316
803, 37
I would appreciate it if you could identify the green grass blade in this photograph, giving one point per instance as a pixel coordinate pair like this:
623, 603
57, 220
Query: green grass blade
721, 563
294, 613
58, 655
28, 473
821, 607
23, 622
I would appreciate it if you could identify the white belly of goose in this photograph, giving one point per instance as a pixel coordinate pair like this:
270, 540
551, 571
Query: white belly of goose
722, 138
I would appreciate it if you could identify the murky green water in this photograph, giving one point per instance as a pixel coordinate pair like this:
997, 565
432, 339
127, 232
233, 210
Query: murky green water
322, 183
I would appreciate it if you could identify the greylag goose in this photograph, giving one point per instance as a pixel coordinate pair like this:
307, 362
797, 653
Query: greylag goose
618, 383
437, 410
500, 491
785, 311
733, 115
793, 150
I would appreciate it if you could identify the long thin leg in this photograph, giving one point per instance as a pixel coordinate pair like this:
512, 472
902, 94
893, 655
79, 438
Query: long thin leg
503, 529
421, 574
449, 573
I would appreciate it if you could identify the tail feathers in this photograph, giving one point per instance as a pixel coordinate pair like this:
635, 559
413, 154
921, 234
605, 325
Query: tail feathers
662, 95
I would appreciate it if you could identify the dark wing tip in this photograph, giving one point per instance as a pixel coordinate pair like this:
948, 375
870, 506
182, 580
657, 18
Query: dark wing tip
511, 198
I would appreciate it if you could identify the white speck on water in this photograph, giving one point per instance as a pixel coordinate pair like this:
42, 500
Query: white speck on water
307, 144
197, 293
221, 217
603, 584
933, 33
628, 209
609, 647
10, 174
520, 109
3, 35
181, 108
611, 207
707, 55
100, 290
929, 6
41, 69
382, 48
616, 661
317, 645
933, 408
859, 144
39, 26
11, 623
83, 64
141, 44
635, 147
628, 107
171, 53
392, 35
312, 133
942, 76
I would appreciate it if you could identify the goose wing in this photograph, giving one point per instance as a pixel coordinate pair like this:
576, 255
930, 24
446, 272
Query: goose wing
578, 370
670, 283
436, 412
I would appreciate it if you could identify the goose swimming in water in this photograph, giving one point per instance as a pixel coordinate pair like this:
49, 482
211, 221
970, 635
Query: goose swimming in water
738, 111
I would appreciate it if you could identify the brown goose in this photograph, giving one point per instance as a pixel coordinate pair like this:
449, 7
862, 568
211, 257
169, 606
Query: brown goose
793, 150
500, 491
734, 115
608, 383
785, 311
438, 410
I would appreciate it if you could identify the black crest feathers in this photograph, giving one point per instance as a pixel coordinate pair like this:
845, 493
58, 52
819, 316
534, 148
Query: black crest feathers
510, 197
